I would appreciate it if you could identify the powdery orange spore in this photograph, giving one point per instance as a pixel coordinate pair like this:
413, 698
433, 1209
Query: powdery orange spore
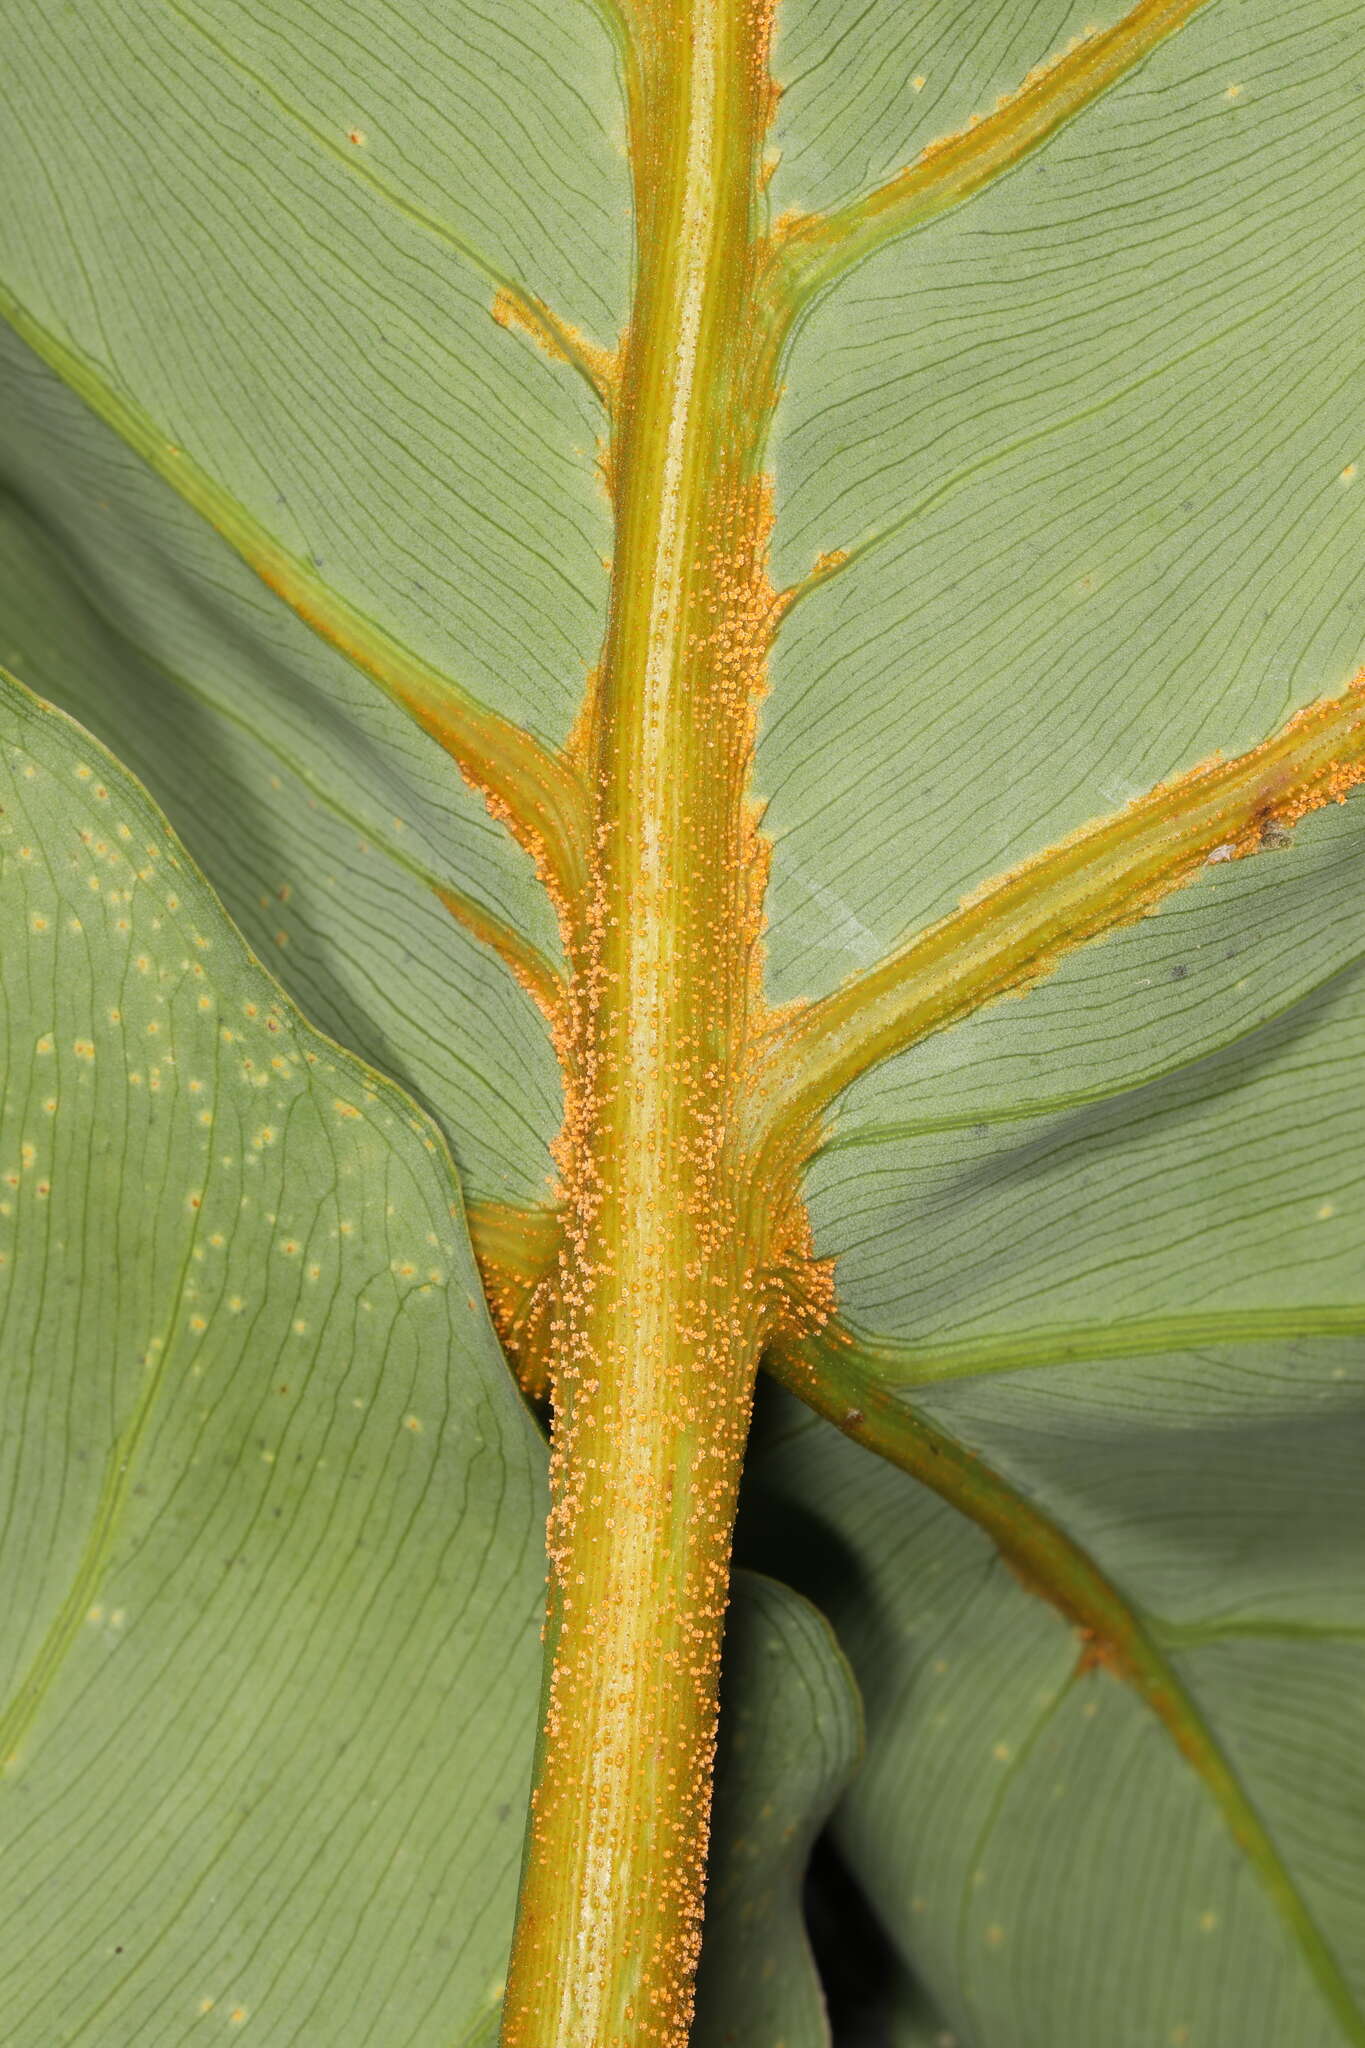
561, 342
1006, 100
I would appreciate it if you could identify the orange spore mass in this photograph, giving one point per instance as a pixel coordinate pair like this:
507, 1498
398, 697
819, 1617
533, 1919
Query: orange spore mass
677, 1244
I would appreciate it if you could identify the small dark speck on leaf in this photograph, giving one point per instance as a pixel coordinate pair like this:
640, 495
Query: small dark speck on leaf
1179, 973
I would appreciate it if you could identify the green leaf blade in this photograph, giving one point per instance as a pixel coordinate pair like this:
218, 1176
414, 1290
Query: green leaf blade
324, 818
270, 1469
425, 463
1100, 562
1067, 1869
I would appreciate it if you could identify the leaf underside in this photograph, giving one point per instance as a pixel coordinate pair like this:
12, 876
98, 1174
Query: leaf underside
1088, 446
271, 1654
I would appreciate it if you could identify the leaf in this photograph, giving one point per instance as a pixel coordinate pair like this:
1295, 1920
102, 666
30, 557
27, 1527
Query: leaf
356, 196
274, 1510
325, 820
1179, 1262
1245, 942
1025, 1824
1082, 559
1223, 1200
274, 1530
368, 415
791, 1737
1066, 501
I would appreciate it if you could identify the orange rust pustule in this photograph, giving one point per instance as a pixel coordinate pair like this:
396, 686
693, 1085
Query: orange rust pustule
561, 342
517, 1251
1040, 72
1018, 927
526, 787
674, 1261
529, 967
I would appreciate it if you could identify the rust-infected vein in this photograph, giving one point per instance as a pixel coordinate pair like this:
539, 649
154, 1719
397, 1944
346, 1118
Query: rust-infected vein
541, 980
529, 786
1114, 1635
515, 307
812, 250
1019, 927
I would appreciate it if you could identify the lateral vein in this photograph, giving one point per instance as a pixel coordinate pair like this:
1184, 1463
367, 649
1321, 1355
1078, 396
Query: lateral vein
1115, 1635
530, 787
812, 250
1018, 928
